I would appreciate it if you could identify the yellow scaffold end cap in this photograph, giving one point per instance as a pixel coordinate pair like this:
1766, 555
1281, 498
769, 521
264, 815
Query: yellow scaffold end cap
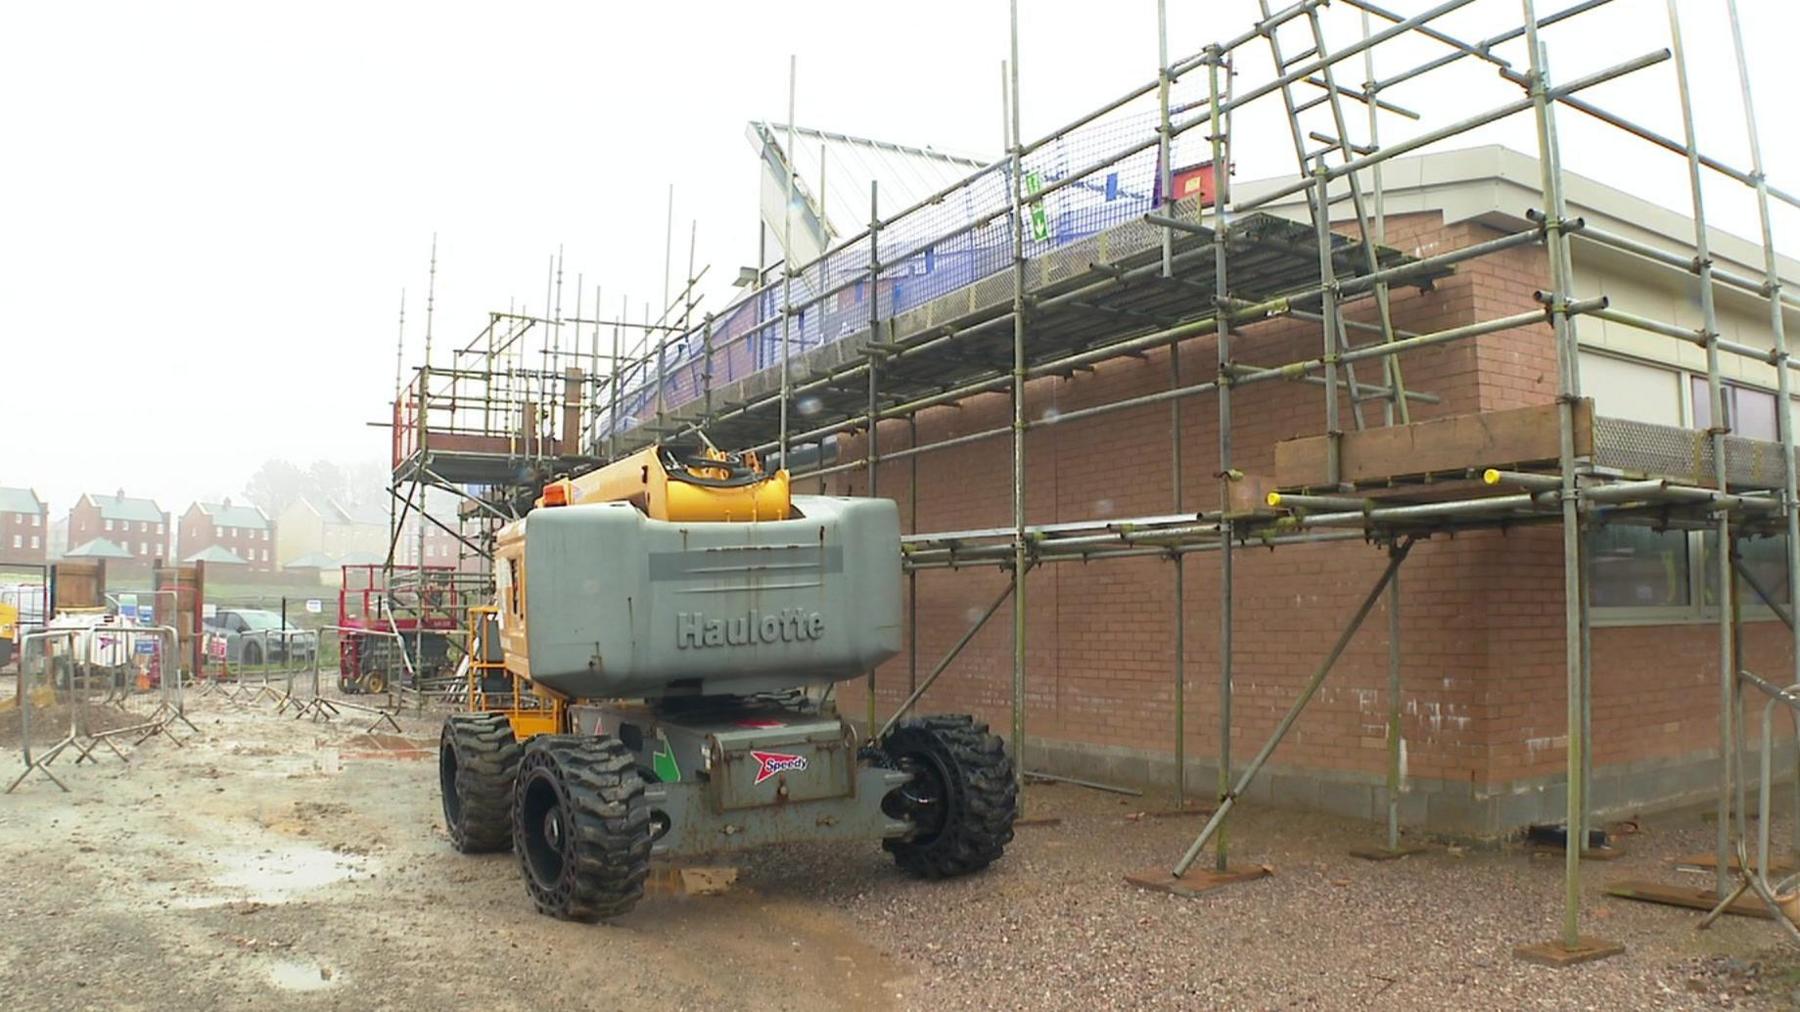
1490, 476
1273, 498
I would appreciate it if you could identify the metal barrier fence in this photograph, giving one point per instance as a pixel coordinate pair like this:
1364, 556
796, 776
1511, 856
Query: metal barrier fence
293, 678
320, 707
1781, 897
99, 668
272, 674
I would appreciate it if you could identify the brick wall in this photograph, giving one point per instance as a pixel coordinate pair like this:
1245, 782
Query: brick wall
1483, 672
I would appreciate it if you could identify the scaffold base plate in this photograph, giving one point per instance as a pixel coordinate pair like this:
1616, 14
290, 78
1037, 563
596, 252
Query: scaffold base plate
1037, 820
1587, 854
1177, 813
1746, 905
1195, 882
1555, 954
1384, 853
1708, 861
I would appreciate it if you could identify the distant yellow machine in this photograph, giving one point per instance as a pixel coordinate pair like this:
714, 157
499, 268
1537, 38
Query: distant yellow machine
9, 633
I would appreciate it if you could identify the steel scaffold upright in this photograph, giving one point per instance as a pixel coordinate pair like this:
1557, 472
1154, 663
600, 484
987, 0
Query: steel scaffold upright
513, 408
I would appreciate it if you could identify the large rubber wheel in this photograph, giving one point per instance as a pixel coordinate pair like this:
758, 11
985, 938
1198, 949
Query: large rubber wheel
375, 683
961, 801
581, 826
478, 763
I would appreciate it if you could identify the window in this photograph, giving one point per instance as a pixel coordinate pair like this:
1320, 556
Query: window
143, 548
159, 528
143, 528
512, 585
1638, 567
1748, 412
109, 525
1640, 574
18, 542
37, 520
1633, 390
265, 555
1764, 558
34, 541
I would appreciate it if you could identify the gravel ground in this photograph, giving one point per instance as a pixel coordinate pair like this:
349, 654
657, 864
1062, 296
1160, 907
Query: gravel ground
279, 863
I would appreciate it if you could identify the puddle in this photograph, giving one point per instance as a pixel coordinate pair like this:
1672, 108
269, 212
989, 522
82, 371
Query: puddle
272, 876
294, 975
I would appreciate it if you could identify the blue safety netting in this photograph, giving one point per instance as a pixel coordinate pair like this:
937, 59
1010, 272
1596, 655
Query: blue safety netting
930, 252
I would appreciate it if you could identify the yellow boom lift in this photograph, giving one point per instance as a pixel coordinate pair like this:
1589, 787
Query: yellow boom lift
640, 687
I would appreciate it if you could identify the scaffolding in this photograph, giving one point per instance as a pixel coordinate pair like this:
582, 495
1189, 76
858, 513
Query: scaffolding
1121, 232
511, 410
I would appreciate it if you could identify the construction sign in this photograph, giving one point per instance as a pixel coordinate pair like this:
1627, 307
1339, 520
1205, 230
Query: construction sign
1195, 181
1040, 221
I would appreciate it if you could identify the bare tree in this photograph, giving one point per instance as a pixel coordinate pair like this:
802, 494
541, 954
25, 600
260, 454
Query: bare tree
326, 480
275, 486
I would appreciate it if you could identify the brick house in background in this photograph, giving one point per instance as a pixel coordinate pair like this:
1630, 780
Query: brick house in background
137, 526
243, 530
24, 527
323, 527
441, 547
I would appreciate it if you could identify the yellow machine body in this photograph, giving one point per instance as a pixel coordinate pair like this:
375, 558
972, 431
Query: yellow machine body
734, 489
9, 633
493, 688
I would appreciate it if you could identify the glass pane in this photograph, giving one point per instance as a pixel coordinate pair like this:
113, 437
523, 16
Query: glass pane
1702, 401
1634, 390
1749, 412
1636, 567
1765, 558
1755, 414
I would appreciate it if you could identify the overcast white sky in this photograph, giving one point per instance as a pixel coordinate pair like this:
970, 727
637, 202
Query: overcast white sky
208, 211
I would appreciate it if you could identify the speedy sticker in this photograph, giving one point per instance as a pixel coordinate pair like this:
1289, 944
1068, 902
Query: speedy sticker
771, 763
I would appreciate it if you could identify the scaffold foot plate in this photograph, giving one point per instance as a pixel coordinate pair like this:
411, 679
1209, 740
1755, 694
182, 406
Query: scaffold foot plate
1708, 861
1555, 954
1746, 905
1196, 882
1179, 813
1384, 853
1588, 854
1037, 820
691, 880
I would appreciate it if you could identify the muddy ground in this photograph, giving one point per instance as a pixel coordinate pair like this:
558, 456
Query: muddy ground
278, 863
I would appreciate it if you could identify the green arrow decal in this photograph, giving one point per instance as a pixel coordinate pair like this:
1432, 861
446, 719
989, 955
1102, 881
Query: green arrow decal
662, 761
1040, 222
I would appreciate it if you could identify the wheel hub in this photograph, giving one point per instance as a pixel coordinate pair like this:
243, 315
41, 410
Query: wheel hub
923, 799
544, 836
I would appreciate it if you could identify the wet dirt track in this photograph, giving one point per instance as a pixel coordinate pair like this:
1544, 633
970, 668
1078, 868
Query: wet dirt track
279, 863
